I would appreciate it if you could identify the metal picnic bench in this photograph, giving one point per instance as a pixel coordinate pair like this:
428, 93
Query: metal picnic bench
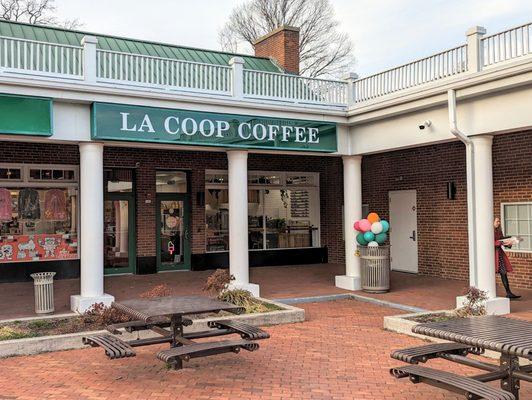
512, 338
166, 317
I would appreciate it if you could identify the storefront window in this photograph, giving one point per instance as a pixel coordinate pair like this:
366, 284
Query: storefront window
38, 220
171, 182
118, 180
217, 219
280, 216
517, 219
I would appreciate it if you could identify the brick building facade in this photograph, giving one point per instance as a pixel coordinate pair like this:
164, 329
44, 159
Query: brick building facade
442, 223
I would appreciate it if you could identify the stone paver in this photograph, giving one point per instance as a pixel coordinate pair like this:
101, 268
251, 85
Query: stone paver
340, 352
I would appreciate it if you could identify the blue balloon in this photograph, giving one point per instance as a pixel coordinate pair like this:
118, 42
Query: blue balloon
369, 236
385, 226
381, 238
360, 239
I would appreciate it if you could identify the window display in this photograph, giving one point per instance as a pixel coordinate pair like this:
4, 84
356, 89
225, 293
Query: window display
37, 223
283, 211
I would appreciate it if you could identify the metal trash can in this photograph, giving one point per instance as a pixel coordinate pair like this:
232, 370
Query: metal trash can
43, 283
375, 268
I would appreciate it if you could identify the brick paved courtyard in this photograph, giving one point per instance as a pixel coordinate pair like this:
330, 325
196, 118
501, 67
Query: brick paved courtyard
340, 352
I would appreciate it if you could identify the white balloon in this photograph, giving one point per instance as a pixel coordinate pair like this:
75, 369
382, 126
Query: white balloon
376, 228
373, 244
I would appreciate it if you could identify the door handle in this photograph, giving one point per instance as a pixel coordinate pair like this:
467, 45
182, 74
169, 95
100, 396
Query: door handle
187, 235
413, 237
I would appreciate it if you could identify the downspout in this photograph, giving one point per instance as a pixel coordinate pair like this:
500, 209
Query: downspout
470, 171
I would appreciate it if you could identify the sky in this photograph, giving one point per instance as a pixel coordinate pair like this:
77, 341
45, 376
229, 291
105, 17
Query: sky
385, 33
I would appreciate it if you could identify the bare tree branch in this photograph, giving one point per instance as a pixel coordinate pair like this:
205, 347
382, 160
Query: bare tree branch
324, 51
34, 12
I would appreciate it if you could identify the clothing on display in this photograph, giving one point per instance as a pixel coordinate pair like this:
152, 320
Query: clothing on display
6, 207
28, 204
55, 205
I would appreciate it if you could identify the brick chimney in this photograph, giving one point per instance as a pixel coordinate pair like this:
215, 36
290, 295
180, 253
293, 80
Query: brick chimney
282, 45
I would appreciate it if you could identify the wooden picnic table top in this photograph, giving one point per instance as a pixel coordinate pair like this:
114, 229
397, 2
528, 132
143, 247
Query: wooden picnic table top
504, 335
149, 310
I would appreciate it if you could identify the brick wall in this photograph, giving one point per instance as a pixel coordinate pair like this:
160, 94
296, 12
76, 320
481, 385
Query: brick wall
330, 169
38, 153
442, 223
283, 46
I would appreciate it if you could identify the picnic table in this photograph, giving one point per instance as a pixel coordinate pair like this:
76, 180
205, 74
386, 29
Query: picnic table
511, 338
166, 316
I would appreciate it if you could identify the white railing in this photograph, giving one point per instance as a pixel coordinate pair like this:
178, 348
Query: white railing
512, 43
447, 63
294, 88
43, 58
155, 71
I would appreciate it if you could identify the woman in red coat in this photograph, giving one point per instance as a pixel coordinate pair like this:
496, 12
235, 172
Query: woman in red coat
502, 263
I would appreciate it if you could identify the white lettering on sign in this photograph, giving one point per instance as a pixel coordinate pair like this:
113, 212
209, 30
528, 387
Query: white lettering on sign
146, 124
124, 123
219, 128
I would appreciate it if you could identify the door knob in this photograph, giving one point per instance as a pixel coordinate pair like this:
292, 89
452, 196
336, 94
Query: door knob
413, 237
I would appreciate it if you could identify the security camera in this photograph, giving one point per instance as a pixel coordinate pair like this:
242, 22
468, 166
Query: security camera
425, 124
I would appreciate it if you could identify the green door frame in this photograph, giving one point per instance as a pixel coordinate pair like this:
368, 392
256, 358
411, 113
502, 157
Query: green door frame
132, 237
185, 198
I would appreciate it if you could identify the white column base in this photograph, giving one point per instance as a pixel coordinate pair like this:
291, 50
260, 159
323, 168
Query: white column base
348, 282
253, 288
80, 304
494, 306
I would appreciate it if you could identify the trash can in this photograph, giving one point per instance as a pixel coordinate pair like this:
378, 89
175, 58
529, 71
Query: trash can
43, 283
375, 268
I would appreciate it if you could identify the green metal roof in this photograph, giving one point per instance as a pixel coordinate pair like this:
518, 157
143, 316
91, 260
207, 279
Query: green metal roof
126, 45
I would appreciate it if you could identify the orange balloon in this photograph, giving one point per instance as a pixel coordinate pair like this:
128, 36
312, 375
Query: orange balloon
373, 217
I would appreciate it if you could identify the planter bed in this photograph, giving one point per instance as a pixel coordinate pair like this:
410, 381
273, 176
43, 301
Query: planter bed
69, 331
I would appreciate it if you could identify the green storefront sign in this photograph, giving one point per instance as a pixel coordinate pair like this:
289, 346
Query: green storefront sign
21, 115
161, 125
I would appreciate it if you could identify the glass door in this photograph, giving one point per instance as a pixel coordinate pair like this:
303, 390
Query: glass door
173, 236
119, 234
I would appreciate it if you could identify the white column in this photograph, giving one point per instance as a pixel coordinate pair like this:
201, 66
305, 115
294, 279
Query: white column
89, 58
483, 197
351, 78
91, 229
238, 221
352, 212
237, 64
474, 48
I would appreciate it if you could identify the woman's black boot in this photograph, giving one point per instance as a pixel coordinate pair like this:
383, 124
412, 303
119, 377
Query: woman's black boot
509, 294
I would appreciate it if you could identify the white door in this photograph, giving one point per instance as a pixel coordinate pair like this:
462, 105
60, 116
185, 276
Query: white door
403, 230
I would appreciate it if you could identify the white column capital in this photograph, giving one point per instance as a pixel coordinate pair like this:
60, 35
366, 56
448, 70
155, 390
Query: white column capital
352, 158
237, 154
482, 139
476, 30
88, 39
236, 60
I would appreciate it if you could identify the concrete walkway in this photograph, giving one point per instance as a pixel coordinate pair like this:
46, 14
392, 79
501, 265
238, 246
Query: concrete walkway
275, 282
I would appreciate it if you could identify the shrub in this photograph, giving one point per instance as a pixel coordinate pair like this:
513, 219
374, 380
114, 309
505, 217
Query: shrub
101, 315
217, 282
162, 290
475, 303
8, 333
243, 298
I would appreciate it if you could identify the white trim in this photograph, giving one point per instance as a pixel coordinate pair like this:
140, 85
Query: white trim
503, 225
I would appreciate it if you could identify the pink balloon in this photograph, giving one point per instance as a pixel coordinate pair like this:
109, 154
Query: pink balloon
364, 225
356, 226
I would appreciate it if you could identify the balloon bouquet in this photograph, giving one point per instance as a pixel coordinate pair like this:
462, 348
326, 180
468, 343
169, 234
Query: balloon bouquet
372, 230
